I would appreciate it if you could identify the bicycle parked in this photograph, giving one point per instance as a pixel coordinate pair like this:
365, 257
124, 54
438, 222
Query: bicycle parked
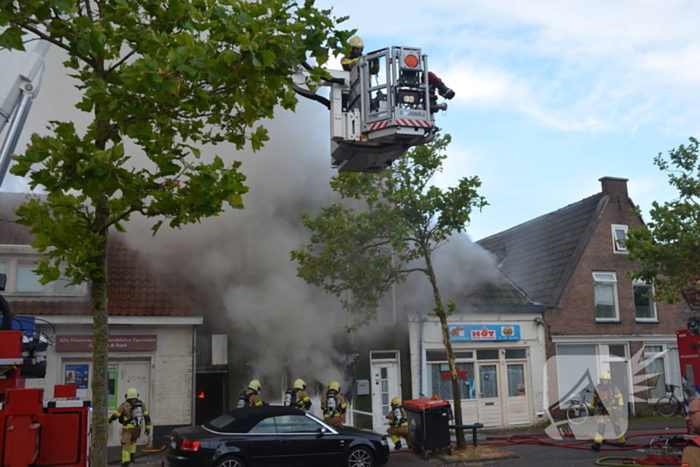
578, 412
669, 405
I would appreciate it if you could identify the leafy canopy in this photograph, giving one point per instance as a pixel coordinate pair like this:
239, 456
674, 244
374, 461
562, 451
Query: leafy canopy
162, 79
388, 221
669, 245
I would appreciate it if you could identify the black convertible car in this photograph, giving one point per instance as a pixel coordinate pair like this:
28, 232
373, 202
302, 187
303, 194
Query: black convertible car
274, 436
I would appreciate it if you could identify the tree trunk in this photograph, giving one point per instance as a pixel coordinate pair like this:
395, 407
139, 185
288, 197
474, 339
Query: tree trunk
100, 349
456, 391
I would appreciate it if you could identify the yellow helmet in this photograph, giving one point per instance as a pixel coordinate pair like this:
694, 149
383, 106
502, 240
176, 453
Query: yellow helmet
605, 375
255, 385
334, 386
356, 41
132, 393
395, 401
299, 384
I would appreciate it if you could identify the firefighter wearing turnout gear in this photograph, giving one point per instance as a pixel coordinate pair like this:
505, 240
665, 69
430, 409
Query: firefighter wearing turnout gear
133, 415
357, 46
297, 396
333, 405
607, 404
251, 396
398, 424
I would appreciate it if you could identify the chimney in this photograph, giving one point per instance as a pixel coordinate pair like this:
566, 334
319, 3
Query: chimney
614, 186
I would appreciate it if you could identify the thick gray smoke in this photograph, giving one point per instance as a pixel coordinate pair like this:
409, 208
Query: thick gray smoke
239, 262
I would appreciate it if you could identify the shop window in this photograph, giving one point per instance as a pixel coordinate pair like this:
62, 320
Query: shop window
577, 368
662, 367
513, 354
516, 380
644, 308
441, 382
491, 354
605, 296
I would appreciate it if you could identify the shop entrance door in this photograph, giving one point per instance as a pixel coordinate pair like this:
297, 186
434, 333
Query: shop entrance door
489, 403
122, 376
385, 386
517, 407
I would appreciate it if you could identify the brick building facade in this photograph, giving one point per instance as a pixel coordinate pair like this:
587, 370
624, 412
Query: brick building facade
597, 319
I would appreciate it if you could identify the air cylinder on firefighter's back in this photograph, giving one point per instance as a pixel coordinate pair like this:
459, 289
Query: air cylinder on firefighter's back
429, 423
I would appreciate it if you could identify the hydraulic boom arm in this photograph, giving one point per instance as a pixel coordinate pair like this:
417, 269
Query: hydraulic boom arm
19, 85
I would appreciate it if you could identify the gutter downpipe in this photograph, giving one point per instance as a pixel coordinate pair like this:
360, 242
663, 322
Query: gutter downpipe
194, 373
420, 359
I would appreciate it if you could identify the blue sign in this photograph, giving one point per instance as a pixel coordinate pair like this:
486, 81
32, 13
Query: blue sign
484, 332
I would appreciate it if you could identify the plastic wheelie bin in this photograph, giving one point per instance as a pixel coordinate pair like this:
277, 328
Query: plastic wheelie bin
428, 423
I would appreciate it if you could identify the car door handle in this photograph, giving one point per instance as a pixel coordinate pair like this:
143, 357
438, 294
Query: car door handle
284, 441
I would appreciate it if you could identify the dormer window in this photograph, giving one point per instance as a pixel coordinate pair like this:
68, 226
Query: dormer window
22, 280
619, 235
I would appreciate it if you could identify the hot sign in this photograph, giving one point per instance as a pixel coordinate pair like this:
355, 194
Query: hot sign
488, 332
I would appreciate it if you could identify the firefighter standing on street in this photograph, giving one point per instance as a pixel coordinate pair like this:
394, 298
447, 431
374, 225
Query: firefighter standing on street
297, 396
607, 404
333, 405
133, 415
251, 396
691, 451
398, 424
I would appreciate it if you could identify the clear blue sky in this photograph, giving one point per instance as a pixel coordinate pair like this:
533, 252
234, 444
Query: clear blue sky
551, 95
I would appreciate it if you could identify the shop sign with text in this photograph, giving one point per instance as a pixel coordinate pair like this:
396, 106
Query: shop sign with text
489, 332
135, 343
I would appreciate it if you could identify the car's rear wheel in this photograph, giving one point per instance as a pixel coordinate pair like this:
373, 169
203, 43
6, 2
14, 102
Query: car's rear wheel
229, 461
360, 457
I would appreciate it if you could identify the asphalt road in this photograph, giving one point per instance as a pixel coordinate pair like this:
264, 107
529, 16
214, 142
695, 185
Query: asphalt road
528, 455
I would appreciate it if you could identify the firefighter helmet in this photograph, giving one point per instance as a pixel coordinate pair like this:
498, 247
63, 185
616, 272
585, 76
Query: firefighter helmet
300, 384
254, 385
335, 386
395, 401
356, 41
132, 393
605, 375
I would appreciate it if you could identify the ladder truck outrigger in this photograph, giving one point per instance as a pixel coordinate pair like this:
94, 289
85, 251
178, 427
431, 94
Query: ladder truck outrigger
381, 108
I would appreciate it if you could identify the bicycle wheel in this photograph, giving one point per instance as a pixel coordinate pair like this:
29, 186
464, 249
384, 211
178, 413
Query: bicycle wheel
577, 414
666, 407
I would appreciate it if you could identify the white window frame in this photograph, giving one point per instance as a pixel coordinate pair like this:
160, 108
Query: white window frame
663, 355
11, 271
617, 248
616, 302
655, 319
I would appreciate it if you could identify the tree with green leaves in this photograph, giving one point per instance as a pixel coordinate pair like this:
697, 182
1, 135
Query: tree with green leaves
387, 227
164, 78
668, 246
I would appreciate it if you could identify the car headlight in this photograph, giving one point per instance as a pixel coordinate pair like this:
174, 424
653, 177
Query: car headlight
385, 442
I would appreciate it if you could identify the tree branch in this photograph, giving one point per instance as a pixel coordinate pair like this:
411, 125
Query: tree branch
44, 36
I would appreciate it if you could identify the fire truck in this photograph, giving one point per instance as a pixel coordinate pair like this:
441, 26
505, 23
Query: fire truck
689, 356
33, 430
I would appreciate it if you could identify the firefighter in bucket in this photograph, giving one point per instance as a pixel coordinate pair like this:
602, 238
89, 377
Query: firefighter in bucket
133, 415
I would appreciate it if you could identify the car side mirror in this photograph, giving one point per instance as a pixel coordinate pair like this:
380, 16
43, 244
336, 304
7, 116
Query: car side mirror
321, 431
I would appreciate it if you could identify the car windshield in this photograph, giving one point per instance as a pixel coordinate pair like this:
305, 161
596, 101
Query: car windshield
221, 422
